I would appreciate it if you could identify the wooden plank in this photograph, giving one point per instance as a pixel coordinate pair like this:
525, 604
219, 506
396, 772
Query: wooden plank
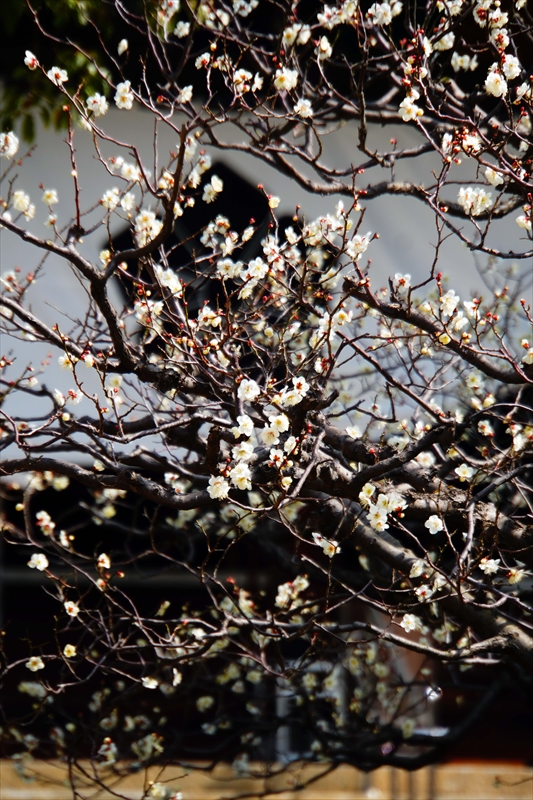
456, 781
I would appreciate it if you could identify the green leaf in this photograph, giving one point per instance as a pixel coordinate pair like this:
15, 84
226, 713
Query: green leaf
27, 128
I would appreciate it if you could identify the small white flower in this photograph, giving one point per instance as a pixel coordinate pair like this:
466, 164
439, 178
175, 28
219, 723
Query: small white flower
243, 451
241, 476
50, 197
128, 202
402, 283
493, 177
21, 201
9, 144
111, 199
380, 13
464, 472
124, 97
410, 622
182, 29
323, 48
97, 104
524, 222
71, 608
203, 61
103, 562
280, 422
149, 683
434, 524
511, 67
329, 546
516, 575
248, 390
417, 568
69, 651
203, 703
212, 189
445, 42
495, 84
30, 60
35, 663
122, 47
57, 76
285, 79
245, 426
269, 435
38, 561
185, 95
366, 493
485, 428
474, 201
449, 302
377, 518
303, 108
408, 108
218, 487
489, 565
423, 592
354, 432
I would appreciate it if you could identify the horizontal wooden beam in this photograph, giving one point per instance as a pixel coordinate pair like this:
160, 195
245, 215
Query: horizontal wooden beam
454, 781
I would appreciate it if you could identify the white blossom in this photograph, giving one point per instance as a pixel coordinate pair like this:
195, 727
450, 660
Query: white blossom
71, 608
182, 29
380, 13
449, 302
410, 622
495, 83
245, 426
434, 524
35, 664
330, 547
524, 221
185, 95
248, 390
21, 201
464, 472
474, 201
38, 561
204, 703
510, 67
124, 96
212, 189
445, 42
241, 476
493, 177
218, 487
97, 104
408, 108
323, 48
30, 60
9, 144
110, 199
285, 79
57, 76
417, 568
303, 108
377, 517
489, 565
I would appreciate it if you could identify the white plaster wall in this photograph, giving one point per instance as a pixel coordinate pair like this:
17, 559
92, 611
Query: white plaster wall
406, 228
